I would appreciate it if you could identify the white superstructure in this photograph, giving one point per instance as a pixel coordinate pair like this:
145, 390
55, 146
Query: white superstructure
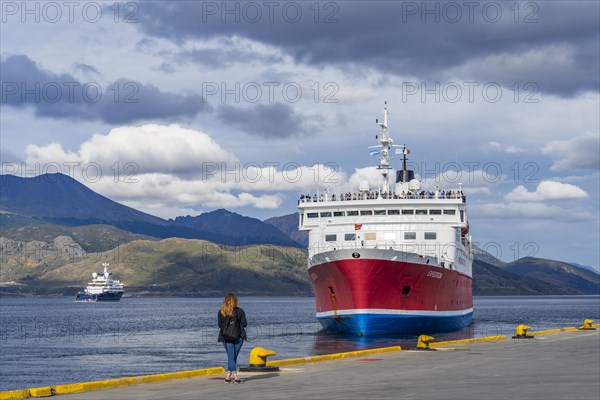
399, 217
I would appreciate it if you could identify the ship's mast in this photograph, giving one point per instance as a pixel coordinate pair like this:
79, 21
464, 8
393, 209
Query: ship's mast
404, 170
386, 144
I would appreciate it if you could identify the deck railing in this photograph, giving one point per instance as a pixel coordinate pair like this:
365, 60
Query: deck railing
450, 194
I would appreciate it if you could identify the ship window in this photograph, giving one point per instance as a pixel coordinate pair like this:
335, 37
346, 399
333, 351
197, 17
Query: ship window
410, 235
435, 212
393, 212
350, 236
379, 212
338, 213
330, 238
430, 235
462, 216
312, 215
421, 212
326, 214
408, 212
449, 212
366, 212
351, 213
371, 236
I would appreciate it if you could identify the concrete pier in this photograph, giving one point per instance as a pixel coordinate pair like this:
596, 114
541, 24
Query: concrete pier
555, 364
565, 365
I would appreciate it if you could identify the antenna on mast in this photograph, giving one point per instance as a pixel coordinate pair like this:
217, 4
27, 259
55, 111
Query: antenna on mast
385, 145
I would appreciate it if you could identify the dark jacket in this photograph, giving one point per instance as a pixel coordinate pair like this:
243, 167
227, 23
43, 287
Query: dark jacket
239, 314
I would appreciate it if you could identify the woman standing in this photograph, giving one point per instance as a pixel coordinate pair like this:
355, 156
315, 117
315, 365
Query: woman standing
232, 321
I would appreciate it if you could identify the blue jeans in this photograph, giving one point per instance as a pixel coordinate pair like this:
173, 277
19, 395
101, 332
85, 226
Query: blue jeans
233, 349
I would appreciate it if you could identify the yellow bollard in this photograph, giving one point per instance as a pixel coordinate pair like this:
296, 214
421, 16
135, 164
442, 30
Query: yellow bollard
423, 342
521, 332
258, 361
258, 356
587, 325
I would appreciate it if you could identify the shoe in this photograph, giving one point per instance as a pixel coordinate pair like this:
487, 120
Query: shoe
227, 380
237, 381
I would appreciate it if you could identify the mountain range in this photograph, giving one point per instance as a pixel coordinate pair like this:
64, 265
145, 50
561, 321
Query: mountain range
61, 200
53, 229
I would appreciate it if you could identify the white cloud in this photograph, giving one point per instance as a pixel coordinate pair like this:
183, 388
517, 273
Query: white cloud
495, 146
266, 201
166, 170
516, 210
367, 174
155, 148
593, 177
148, 148
581, 152
547, 190
473, 181
50, 153
289, 176
168, 196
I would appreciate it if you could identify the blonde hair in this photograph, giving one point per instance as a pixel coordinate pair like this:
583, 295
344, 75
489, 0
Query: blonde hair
229, 303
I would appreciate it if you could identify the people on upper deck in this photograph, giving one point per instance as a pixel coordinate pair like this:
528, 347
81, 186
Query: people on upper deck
437, 194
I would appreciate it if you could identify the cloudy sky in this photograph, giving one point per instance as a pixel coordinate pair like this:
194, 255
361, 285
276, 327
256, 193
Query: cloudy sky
183, 107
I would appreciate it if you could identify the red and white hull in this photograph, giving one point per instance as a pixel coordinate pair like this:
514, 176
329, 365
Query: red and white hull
371, 291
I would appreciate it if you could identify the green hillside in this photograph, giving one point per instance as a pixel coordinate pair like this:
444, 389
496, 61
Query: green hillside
490, 280
45, 259
91, 238
175, 267
574, 279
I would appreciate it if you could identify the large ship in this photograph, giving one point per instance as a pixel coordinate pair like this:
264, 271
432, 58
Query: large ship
102, 288
392, 260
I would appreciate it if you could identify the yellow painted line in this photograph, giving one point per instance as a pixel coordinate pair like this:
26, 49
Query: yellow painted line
331, 357
468, 341
15, 394
111, 383
566, 329
107, 384
550, 331
41, 392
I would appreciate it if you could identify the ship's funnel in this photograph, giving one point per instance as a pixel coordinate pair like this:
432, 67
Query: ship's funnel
410, 175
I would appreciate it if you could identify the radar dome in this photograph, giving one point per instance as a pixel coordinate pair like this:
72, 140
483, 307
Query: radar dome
94, 275
364, 186
414, 185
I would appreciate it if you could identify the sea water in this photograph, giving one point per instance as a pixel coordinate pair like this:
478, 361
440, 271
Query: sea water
55, 341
